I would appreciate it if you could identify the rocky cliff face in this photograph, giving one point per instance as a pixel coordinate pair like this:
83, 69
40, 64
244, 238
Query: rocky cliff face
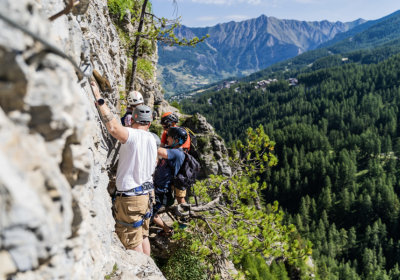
211, 147
55, 211
240, 48
56, 156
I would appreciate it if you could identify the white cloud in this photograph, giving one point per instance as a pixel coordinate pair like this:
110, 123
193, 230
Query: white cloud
253, 2
237, 17
230, 2
230, 17
217, 2
206, 18
306, 1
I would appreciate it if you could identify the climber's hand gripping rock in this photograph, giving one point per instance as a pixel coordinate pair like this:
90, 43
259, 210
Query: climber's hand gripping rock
116, 130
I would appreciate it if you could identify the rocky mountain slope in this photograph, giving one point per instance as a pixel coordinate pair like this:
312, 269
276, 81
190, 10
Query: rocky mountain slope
240, 48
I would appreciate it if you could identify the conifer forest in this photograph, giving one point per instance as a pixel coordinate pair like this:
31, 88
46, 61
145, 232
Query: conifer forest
338, 146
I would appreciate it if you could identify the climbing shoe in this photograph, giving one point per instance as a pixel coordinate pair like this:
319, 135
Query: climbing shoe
182, 222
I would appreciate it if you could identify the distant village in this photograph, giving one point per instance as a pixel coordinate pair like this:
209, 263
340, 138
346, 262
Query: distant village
260, 85
226, 85
263, 84
181, 96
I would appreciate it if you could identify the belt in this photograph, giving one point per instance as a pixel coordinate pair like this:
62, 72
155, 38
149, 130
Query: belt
147, 186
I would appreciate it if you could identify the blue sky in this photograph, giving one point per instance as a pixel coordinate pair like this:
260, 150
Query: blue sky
200, 13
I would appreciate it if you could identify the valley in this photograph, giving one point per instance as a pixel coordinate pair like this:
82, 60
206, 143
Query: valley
239, 49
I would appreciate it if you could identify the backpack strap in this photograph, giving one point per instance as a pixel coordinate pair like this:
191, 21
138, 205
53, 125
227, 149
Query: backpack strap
191, 133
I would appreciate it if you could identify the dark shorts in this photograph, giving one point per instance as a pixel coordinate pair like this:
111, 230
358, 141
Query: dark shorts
162, 199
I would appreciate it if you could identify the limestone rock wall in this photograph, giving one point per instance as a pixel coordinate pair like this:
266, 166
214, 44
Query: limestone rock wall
211, 147
55, 211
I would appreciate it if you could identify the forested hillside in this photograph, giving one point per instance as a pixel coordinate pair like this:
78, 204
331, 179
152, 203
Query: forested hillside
338, 144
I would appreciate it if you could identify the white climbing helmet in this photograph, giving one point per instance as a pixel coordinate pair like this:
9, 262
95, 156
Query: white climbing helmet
135, 98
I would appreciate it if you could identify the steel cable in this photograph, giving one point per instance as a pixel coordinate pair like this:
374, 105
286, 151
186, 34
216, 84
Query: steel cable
49, 45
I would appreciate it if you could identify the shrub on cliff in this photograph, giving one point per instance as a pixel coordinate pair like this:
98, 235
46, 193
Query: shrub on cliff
224, 227
183, 264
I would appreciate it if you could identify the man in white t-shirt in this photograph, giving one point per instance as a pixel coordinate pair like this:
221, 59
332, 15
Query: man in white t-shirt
135, 190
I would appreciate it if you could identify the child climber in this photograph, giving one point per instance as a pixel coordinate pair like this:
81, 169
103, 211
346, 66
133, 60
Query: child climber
134, 99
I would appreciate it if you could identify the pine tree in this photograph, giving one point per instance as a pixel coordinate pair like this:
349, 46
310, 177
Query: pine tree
304, 212
313, 210
278, 270
262, 268
352, 238
299, 223
368, 261
367, 236
248, 264
343, 238
324, 218
345, 200
323, 272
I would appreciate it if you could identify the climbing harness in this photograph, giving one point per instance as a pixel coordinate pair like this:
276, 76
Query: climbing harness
50, 46
139, 223
139, 190
147, 186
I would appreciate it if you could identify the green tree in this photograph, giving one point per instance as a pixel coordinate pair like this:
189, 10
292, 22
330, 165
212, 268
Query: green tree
234, 229
249, 266
352, 238
304, 212
278, 270
262, 268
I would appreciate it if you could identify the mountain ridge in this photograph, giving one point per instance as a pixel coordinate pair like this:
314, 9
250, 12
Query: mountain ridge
381, 38
241, 48
355, 30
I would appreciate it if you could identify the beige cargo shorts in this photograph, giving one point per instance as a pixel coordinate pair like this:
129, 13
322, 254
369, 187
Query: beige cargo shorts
131, 210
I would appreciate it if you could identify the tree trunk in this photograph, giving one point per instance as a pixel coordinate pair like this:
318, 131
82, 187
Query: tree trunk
136, 49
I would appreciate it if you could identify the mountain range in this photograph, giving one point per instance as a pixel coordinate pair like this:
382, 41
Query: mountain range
241, 48
370, 42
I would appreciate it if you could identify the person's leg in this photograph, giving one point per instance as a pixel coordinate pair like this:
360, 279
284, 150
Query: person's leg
180, 195
131, 237
146, 245
162, 199
138, 248
158, 221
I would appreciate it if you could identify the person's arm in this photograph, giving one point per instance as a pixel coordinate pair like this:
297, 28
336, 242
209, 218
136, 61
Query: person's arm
162, 153
164, 139
116, 130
